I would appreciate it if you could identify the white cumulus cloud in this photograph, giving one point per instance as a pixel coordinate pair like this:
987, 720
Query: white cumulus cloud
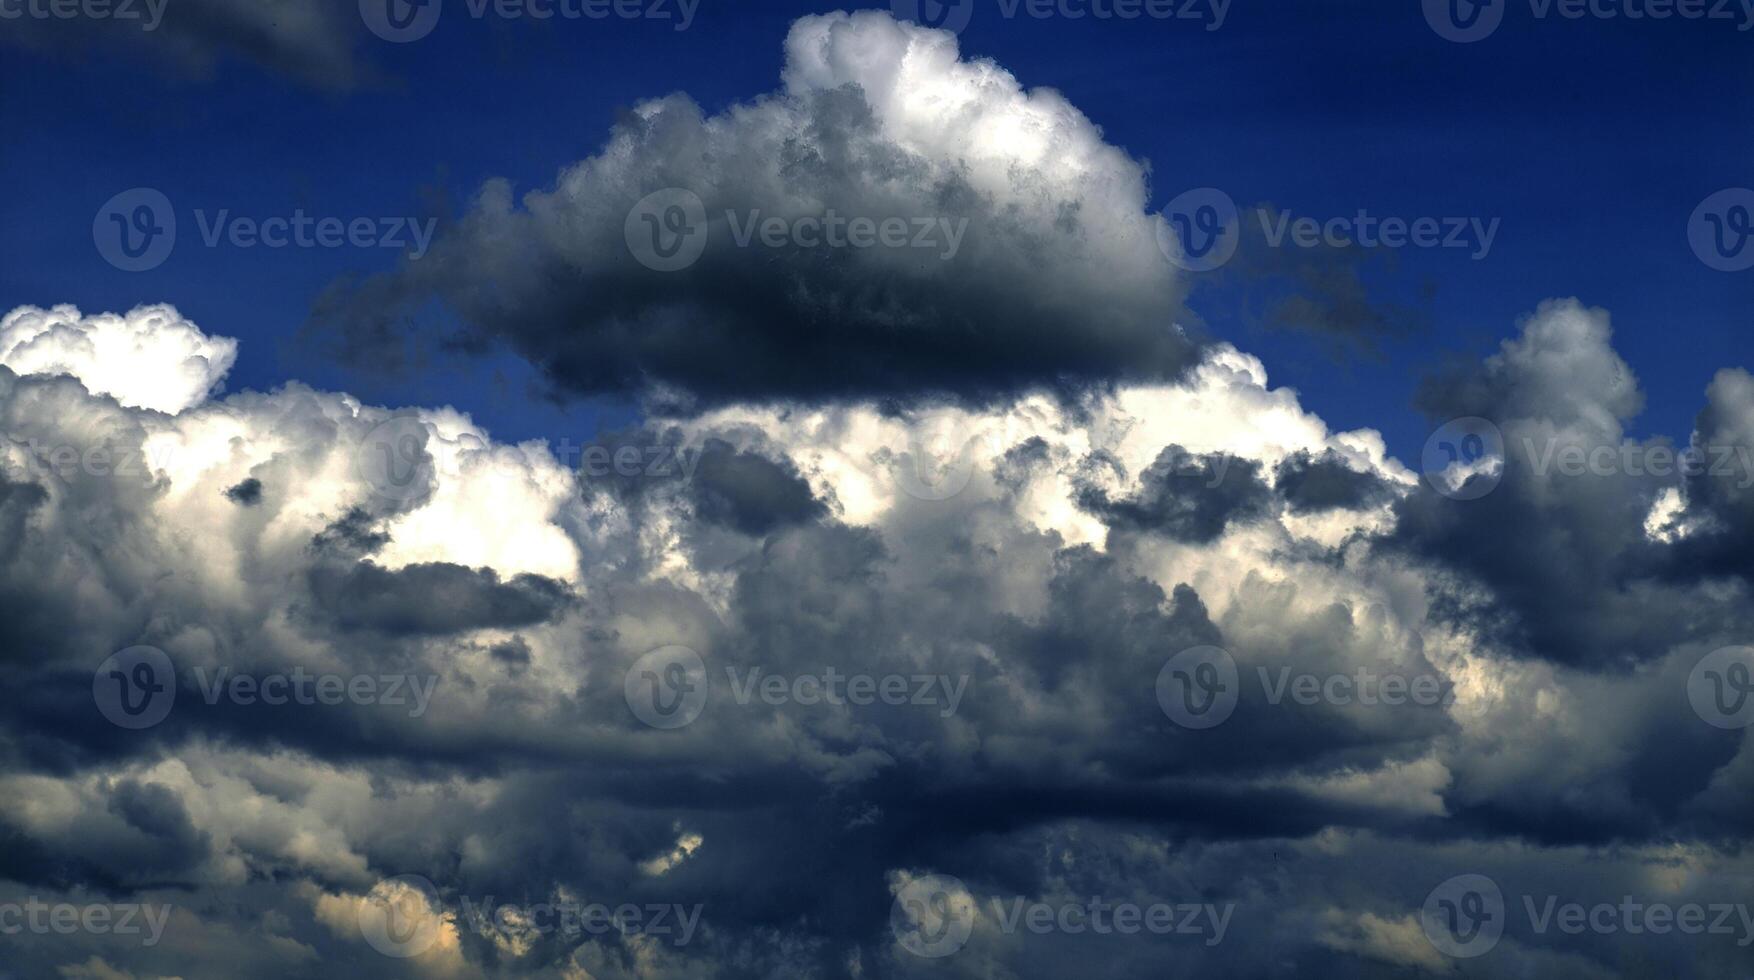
150, 357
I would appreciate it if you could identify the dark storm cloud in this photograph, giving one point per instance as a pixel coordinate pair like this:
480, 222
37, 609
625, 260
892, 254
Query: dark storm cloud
748, 492
30, 861
812, 844
1564, 571
1311, 484
1720, 484
514, 653
142, 835
353, 533
1013, 274
245, 494
1571, 571
17, 500
157, 813
430, 598
51, 605
1188, 496
1058, 770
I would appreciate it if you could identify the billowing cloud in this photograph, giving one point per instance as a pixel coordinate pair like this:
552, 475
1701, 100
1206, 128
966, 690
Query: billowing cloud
936, 227
1561, 543
1029, 567
148, 358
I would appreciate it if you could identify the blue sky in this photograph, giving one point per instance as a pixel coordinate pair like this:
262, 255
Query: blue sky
1592, 140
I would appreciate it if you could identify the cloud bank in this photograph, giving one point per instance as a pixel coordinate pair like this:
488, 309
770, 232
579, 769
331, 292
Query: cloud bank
1044, 559
888, 636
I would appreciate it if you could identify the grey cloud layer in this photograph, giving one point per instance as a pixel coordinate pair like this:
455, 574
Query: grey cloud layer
310, 40
1090, 543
